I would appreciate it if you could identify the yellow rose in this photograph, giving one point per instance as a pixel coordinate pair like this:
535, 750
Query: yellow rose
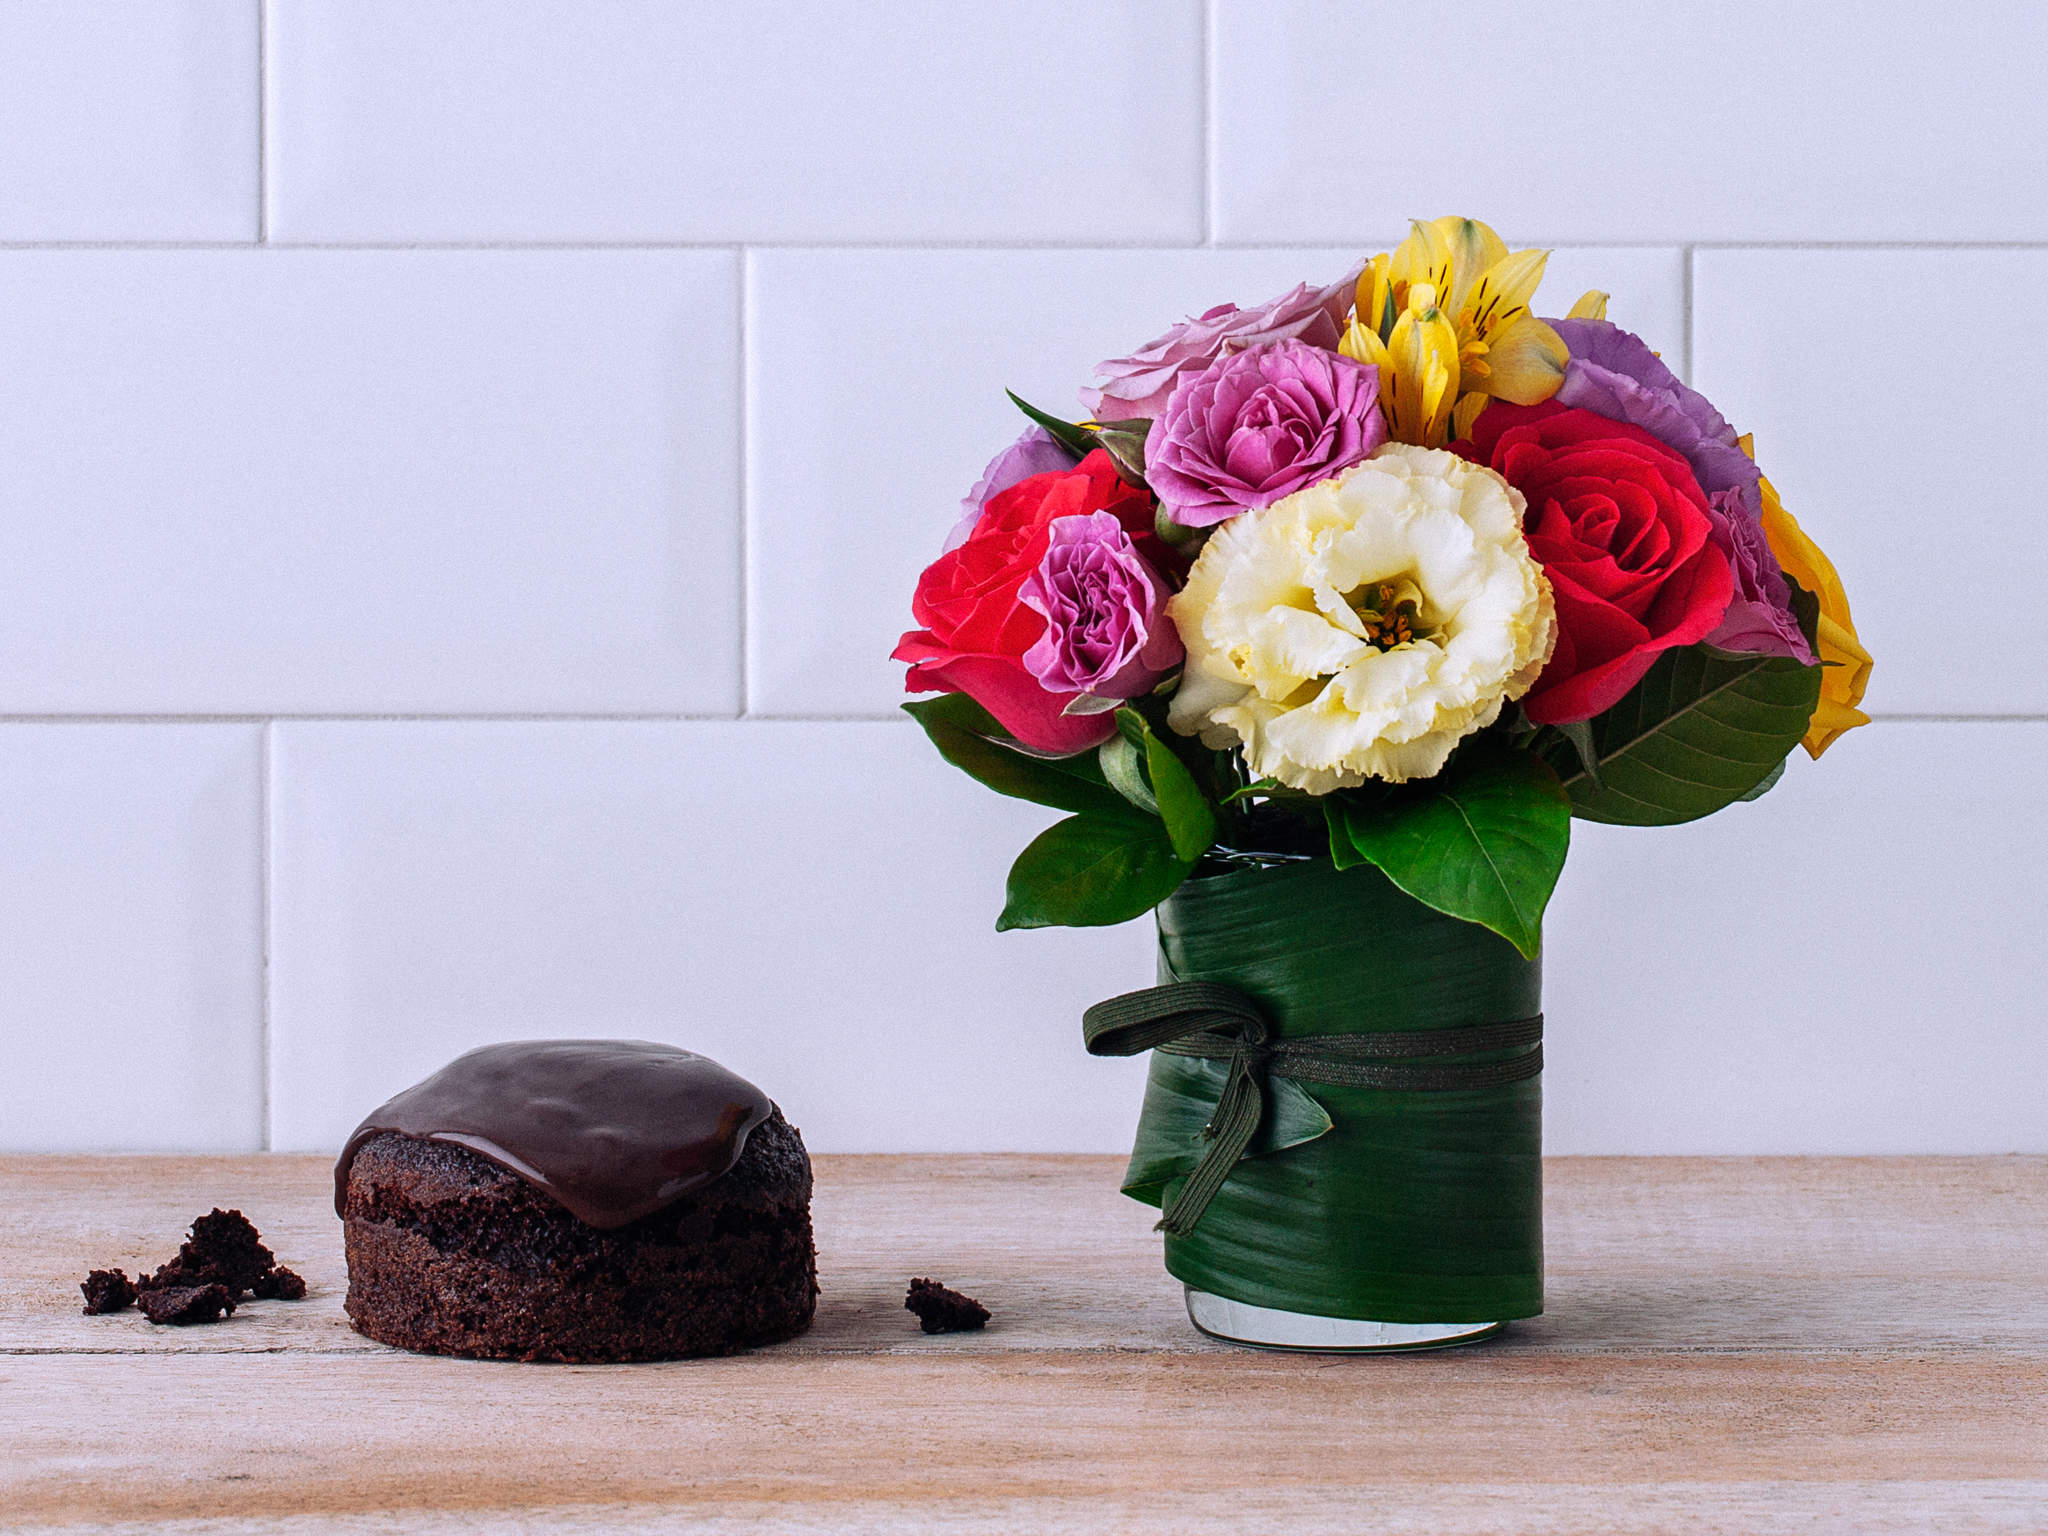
1846, 665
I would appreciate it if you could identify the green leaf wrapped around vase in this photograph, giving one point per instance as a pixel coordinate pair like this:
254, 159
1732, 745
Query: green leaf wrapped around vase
1420, 1206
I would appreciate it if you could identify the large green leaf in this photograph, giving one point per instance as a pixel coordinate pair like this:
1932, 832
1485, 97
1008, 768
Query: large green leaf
969, 738
1090, 871
1416, 1207
1484, 842
1703, 729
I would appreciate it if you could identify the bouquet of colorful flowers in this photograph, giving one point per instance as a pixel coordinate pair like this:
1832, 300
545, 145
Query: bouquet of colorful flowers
1391, 571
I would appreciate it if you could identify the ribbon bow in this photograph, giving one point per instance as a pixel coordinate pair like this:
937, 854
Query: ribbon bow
1209, 1020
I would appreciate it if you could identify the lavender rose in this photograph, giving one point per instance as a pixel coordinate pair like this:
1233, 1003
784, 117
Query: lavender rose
1037, 452
1140, 385
1106, 630
1613, 373
1259, 425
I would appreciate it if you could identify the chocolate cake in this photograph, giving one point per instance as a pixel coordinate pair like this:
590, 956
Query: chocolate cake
578, 1200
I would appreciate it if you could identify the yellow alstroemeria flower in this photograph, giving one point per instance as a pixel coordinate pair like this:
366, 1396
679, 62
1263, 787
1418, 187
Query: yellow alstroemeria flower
1845, 664
1446, 318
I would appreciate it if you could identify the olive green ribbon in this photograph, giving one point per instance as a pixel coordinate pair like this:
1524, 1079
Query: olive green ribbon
1218, 1023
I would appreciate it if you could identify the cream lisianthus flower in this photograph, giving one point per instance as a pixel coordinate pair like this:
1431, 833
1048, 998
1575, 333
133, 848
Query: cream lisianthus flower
1361, 627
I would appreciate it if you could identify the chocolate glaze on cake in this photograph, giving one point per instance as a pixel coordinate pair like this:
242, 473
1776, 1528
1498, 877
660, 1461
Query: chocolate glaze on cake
613, 1129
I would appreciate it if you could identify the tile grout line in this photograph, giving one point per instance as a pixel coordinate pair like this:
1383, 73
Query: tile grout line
1207, 123
1686, 329
628, 717
746, 478
1053, 245
262, 122
265, 802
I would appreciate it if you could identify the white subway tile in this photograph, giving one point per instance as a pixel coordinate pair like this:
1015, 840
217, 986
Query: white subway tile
369, 482
128, 120
1613, 120
1903, 442
812, 904
878, 397
131, 938
1852, 964
1072, 120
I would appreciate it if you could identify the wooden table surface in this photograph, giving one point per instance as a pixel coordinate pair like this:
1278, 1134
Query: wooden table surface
1770, 1345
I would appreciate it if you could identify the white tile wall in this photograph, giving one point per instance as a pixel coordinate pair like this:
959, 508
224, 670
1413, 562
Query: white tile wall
803, 120
369, 482
131, 938
1918, 469
1851, 964
812, 904
128, 120
437, 417
1592, 120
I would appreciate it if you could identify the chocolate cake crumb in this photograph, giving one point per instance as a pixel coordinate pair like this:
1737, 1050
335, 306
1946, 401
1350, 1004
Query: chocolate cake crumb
224, 1254
281, 1284
940, 1310
107, 1290
183, 1304
173, 1276
226, 1247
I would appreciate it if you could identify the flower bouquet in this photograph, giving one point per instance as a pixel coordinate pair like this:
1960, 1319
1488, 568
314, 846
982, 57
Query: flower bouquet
1321, 630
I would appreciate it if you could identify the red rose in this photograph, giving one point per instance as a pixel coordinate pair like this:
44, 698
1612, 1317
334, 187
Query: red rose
1620, 526
976, 629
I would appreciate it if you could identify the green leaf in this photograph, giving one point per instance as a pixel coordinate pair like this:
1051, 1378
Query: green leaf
1484, 842
1119, 760
1179, 1105
1580, 734
1091, 704
1076, 440
1125, 444
1702, 729
1190, 819
1186, 541
1416, 1206
1091, 871
1770, 782
1806, 614
969, 738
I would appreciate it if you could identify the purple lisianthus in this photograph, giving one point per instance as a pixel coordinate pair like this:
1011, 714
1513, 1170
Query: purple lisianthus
1613, 373
1106, 629
1259, 425
1140, 385
1759, 618
1037, 452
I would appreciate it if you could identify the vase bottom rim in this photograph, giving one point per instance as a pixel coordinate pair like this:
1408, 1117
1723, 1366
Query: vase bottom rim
1238, 1322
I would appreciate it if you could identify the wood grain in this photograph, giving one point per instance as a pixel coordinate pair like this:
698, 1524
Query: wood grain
1732, 1345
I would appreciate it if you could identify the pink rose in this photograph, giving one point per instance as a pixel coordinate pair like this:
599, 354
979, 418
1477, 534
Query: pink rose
1106, 629
1260, 425
976, 629
1139, 385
